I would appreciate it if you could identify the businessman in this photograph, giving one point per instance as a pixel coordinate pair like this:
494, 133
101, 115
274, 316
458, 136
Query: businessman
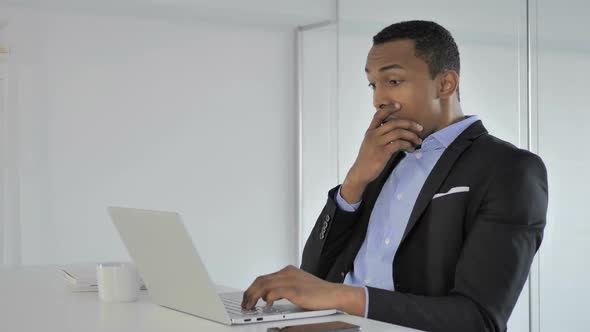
437, 222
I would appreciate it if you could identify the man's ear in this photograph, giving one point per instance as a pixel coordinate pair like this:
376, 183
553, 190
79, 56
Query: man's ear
447, 84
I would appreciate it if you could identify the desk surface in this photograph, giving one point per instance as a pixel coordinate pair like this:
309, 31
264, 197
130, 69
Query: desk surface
37, 299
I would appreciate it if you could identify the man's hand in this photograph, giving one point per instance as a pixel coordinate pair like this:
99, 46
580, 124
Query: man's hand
306, 291
386, 135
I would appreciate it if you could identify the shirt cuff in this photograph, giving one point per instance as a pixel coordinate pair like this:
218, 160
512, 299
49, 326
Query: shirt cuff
366, 301
343, 205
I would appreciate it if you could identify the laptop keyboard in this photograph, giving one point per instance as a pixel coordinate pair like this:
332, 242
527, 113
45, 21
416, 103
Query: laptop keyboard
233, 305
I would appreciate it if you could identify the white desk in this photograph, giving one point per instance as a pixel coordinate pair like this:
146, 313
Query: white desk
36, 299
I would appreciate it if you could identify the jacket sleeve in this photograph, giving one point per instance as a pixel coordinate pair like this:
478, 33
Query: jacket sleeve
494, 263
331, 233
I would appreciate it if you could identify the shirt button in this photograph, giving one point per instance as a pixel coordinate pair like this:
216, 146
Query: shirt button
387, 241
418, 155
367, 281
400, 196
342, 274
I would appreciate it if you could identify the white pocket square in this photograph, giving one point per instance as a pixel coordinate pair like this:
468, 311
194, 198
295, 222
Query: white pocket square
452, 191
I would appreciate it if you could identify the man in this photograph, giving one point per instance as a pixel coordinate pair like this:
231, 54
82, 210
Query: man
437, 222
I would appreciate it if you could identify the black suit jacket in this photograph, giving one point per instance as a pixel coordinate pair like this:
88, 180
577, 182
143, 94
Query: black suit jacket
464, 257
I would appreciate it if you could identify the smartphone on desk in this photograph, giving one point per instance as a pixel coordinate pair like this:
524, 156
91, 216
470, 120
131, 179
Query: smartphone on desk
318, 327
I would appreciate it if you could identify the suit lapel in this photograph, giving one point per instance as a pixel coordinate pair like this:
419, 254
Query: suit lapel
441, 170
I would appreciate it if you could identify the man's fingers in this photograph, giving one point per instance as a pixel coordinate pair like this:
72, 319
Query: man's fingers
381, 115
278, 293
253, 291
261, 286
400, 134
246, 297
251, 297
398, 123
267, 291
278, 284
398, 146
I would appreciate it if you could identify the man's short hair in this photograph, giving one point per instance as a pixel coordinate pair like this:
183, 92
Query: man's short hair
432, 43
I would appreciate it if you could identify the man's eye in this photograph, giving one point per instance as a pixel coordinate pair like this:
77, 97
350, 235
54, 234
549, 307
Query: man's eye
372, 86
395, 82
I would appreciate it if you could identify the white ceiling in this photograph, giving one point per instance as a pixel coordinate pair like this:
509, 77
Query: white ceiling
285, 13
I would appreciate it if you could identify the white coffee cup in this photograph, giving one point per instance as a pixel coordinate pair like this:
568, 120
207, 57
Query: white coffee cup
117, 282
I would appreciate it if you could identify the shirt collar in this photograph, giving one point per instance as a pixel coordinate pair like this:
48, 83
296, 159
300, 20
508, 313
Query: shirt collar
444, 137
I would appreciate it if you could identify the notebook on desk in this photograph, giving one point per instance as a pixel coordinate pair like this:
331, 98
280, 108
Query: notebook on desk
82, 278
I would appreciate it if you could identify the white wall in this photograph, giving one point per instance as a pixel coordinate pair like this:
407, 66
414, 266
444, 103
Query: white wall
9, 227
195, 117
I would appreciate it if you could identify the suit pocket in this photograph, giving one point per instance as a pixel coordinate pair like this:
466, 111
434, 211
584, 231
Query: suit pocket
444, 218
452, 191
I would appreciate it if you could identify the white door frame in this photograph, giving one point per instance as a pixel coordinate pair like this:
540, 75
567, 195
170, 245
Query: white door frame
2, 160
10, 230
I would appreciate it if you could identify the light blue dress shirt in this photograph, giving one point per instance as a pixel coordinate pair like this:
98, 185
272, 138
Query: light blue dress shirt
390, 215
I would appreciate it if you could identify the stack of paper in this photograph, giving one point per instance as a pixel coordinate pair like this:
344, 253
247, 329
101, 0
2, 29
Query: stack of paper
82, 278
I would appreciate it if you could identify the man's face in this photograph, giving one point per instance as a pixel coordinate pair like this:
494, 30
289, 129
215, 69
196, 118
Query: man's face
397, 75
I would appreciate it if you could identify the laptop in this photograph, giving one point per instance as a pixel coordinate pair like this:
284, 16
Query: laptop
176, 278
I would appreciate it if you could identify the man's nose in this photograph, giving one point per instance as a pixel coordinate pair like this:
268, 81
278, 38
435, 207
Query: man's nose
380, 99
